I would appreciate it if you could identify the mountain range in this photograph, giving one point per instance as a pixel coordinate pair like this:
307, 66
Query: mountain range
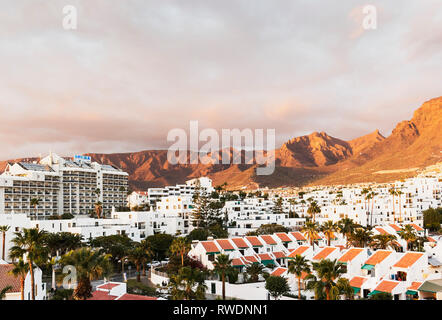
314, 159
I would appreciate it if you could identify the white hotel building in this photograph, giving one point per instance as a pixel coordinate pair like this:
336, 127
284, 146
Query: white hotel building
61, 186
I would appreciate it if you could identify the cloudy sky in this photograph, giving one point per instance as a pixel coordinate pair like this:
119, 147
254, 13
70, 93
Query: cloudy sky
135, 69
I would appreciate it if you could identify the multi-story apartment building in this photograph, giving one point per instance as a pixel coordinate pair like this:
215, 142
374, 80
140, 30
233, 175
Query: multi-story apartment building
61, 186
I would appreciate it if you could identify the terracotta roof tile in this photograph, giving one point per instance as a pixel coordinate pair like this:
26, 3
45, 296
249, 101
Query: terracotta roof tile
395, 227
357, 282
279, 254
298, 236
128, 296
324, 253
264, 256
284, 237
251, 259
278, 272
415, 226
240, 243
225, 244
108, 286
378, 257
8, 280
386, 286
268, 239
210, 246
408, 259
381, 231
239, 262
254, 241
300, 250
414, 286
102, 295
350, 254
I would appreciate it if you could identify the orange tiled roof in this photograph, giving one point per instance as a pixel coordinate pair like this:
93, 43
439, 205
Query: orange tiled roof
239, 262
415, 226
7, 280
324, 253
357, 282
254, 241
395, 227
414, 286
278, 272
210, 246
129, 296
102, 295
268, 239
298, 236
304, 275
350, 254
225, 244
108, 286
279, 254
240, 243
378, 257
300, 250
264, 256
408, 259
386, 286
382, 231
251, 259
431, 239
284, 237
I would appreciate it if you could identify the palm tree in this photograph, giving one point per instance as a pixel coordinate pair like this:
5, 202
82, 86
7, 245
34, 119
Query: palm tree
34, 203
329, 228
145, 246
3, 230
409, 235
399, 193
89, 265
313, 209
310, 231
32, 244
361, 237
297, 266
4, 291
393, 192
21, 270
324, 285
180, 247
188, 284
138, 257
254, 270
223, 267
364, 193
98, 209
346, 227
345, 288
383, 241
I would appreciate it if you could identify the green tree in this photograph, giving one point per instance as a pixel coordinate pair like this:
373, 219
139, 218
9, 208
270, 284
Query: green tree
311, 231
361, 237
223, 267
138, 257
277, 206
381, 296
277, 286
324, 282
432, 218
409, 235
346, 226
254, 271
4, 291
297, 266
160, 244
329, 228
383, 241
3, 230
270, 228
20, 270
89, 265
313, 209
117, 246
30, 242
188, 284
180, 246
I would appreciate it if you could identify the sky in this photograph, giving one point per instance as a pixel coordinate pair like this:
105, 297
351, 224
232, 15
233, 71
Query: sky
133, 70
